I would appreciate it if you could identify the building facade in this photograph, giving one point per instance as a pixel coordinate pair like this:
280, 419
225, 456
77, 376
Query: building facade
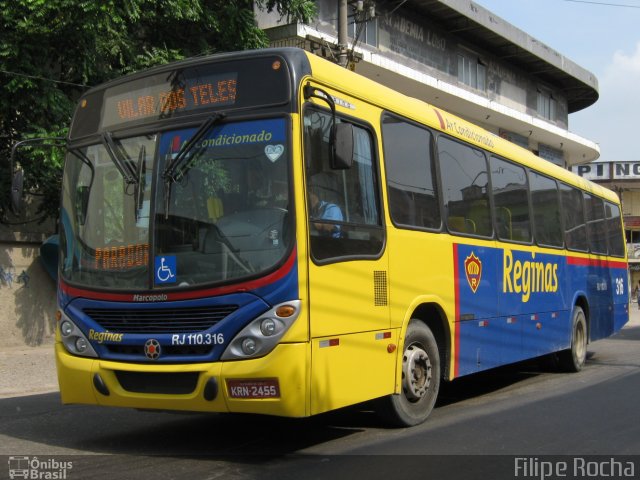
459, 56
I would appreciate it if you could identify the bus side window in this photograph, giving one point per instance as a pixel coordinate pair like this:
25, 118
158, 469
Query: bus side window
411, 185
465, 182
546, 210
596, 223
511, 199
614, 230
575, 228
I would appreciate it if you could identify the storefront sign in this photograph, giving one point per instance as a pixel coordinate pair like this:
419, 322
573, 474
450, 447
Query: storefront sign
592, 171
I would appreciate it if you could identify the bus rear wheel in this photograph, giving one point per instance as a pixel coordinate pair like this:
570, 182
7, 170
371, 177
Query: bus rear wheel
573, 358
420, 379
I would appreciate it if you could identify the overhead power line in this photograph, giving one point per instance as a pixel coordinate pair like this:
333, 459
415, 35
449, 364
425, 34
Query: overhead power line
606, 4
43, 78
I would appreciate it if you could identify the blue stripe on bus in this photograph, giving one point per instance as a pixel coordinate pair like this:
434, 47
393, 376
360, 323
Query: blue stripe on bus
517, 304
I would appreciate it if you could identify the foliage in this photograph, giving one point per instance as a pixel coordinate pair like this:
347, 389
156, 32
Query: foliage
53, 50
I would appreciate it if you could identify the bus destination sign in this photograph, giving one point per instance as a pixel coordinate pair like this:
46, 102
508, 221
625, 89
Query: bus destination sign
163, 99
170, 93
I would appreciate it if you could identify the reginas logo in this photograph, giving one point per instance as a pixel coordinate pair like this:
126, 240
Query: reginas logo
473, 270
529, 276
105, 336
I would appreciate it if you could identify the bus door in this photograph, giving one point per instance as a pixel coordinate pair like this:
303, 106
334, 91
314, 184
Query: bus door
348, 299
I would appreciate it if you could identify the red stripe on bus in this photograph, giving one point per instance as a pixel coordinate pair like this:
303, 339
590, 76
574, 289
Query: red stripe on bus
209, 292
443, 126
456, 323
595, 262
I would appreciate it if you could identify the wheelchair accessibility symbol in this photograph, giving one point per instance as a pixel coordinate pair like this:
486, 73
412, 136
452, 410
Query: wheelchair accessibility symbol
165, 268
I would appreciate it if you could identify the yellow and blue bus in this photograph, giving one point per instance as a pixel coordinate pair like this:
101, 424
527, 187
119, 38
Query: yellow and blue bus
266, 232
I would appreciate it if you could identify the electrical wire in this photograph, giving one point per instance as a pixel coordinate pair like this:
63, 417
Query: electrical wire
606, 4
43, 78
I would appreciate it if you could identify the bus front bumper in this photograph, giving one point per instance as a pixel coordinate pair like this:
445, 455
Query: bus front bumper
273, 385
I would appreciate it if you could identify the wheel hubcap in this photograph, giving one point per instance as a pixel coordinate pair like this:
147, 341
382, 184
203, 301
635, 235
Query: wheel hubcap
581, 342
416, 373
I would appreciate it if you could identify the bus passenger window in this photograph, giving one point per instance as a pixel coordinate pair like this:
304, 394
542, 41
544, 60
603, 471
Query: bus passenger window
511, 200
596, 223
546, 210
413, 196
464, 188
614, 230
575, 228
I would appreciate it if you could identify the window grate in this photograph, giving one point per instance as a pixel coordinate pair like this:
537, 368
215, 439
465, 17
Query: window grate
380, 288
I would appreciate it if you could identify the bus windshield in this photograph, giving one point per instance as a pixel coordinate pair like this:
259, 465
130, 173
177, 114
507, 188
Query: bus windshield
221, 217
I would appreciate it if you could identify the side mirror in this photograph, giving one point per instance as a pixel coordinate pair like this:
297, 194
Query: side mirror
342, 158
17, 183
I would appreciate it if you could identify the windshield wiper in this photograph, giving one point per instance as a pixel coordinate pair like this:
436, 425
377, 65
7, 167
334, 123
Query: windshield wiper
176, 168
132, 175
138, 192
119, 159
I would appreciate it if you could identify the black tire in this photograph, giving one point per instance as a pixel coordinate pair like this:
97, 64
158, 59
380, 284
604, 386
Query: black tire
420, 380
573, 358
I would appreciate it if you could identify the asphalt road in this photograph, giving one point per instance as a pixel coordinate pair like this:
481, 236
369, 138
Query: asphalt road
480, 423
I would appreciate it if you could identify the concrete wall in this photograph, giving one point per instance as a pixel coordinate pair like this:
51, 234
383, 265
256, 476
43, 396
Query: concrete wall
412, 39
27, 297
27, 291
409, 35
631, 202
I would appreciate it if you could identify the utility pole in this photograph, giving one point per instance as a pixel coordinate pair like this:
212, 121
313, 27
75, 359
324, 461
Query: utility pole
343, 40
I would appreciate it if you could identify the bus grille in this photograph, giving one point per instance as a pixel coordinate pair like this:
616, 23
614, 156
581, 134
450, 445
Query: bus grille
161, 320
154, 382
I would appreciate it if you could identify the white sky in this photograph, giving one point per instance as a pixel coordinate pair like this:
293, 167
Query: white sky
604, 39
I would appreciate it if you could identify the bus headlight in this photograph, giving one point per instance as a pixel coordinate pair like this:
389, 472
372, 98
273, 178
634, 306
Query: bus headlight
81, 344
263, 334
66, 328
249, 346
74, 340
268, 327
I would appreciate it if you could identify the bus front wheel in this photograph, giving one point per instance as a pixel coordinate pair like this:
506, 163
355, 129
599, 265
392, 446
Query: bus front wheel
420, 379
573, 358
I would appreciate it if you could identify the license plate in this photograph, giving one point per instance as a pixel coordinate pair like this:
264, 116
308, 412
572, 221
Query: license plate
253, 388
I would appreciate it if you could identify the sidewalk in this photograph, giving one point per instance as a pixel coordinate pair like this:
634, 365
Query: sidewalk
634, 316
27, 371
32, 370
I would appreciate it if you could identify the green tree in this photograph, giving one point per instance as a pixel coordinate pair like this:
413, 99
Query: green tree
53, 50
